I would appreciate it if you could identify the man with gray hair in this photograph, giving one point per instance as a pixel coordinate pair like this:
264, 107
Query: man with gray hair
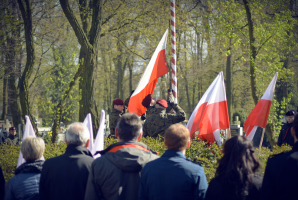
116, 174
65, 176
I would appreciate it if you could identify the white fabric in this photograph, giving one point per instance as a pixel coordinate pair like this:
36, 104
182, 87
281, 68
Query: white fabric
88, 123
99, 140
252, 133
216, 134
29, 131
148, 71
268, 95
216, 92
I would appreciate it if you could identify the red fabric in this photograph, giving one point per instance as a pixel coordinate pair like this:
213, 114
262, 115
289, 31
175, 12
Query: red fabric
258, 116
114, 149
210, 118
160, 68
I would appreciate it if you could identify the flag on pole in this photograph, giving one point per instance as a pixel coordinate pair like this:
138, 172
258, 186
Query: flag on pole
29, 131
259, 115
211, 113
88, 123
99, 140
157, 67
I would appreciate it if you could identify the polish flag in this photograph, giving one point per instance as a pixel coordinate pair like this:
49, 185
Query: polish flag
29, 131
100, 136
157, 67
259, 115
211, 113
88, 123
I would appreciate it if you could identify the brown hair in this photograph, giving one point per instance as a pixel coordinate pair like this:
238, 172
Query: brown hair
295, 125
177, 137
129, 127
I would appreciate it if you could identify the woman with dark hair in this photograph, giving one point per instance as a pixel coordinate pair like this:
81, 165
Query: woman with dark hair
237, 173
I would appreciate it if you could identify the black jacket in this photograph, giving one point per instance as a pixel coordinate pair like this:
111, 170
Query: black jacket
116, 174
65, 177
2, 184
219, 191
281, 175
285, 136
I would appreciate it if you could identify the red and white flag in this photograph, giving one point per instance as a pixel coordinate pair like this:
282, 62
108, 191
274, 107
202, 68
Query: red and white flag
88, 123
259, 115
211, 113
29, 131
100, 136
157, 67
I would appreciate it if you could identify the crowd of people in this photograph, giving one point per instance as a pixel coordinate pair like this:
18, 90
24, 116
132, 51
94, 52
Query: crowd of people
130, 170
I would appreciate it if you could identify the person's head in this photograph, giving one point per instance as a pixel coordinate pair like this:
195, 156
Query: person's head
32, 148
290, 116
161, 103
294, 129
118, 104
238, 163
129, 127
177, 137
12, 131
77, 134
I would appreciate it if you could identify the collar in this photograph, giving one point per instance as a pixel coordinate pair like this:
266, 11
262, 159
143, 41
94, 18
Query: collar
124, 143
116, 111
76, 149
34, 166
173, 153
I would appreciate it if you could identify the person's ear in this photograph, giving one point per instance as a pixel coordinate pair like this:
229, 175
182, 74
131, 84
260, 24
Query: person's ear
87, 143
188, 143
116, 133
140, 136
165, 143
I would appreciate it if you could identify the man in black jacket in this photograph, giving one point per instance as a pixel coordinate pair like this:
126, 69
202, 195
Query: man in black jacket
116, 174
281, 174
285, 136
65, 177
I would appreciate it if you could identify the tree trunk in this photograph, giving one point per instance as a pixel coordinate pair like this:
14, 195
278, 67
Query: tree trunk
5, 93
229, 82
253, 52
27, 72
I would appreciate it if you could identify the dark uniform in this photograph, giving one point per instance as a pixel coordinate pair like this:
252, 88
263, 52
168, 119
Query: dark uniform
159, 121
12, 140
285, 136
281, 176
114, 117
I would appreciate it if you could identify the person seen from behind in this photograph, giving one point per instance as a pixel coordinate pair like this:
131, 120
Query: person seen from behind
172, 176
285, 136
25, 183
281, 173
116, 174
237, 175
65, 176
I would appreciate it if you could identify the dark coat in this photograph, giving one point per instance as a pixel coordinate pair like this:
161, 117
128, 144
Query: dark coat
116, 174
285, 136
25, 183
114, 117
172, 177
220, 191
65, 177
2, 184
281, 175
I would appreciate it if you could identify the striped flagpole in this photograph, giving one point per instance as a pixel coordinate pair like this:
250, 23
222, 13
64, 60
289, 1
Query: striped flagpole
173, 62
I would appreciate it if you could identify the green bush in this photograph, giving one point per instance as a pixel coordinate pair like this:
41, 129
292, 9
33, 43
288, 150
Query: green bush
199, 152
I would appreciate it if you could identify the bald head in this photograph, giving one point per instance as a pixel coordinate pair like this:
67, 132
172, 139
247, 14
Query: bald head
177, 137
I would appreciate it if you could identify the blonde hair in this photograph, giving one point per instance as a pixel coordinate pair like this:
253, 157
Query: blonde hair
177, 137
32, 148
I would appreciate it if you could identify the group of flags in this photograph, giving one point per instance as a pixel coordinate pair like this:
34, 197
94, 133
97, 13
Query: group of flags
211, 113
208, 118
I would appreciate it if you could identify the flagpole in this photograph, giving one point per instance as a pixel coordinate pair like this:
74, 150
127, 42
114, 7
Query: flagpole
173, 61
261, 142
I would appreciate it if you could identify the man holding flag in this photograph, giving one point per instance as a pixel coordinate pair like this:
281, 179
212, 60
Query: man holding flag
160, 120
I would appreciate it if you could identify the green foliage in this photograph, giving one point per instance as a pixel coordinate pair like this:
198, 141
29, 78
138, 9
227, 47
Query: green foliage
199, 152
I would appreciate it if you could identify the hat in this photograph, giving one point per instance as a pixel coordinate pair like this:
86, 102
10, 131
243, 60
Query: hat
162, 102
291, 113
118, 102
12, 128
147, 100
